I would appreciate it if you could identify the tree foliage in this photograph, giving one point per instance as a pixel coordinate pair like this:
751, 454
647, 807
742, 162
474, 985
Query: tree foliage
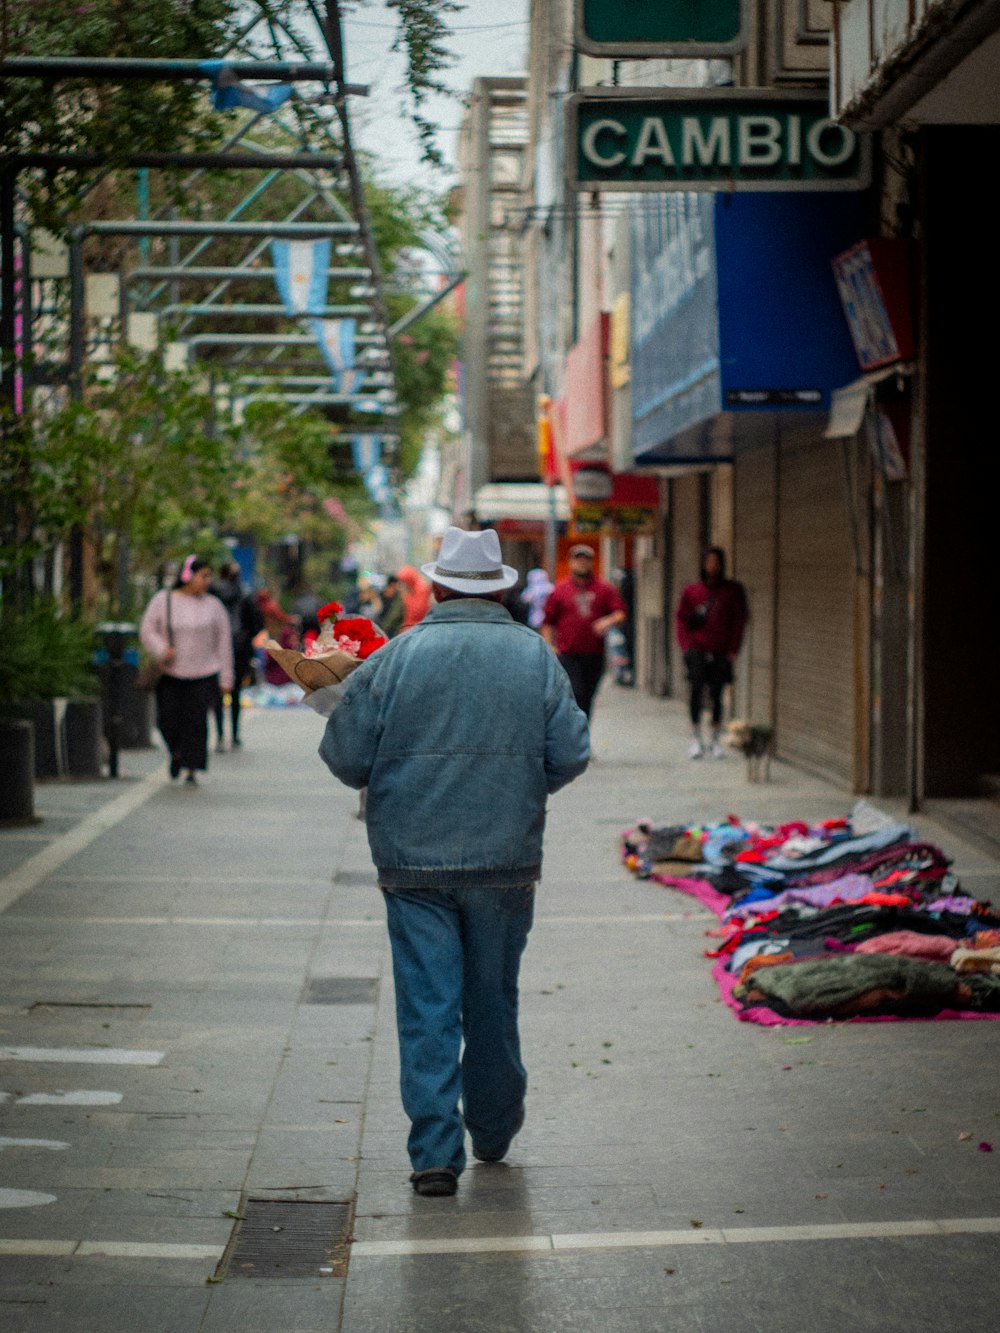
109, 119
289, 478
422, 34
137, 465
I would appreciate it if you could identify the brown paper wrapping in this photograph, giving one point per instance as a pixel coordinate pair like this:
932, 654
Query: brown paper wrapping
312, 673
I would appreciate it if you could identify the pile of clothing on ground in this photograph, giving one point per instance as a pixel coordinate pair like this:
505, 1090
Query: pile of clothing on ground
850, 918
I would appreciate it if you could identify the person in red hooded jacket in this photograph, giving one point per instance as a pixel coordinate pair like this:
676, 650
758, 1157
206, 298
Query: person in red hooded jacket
416, 596
711, 618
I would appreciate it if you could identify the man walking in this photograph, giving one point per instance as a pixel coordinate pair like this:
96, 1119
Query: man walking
460, 728
580, 611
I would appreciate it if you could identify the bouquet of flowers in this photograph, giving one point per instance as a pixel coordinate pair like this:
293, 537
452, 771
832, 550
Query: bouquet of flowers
331, 656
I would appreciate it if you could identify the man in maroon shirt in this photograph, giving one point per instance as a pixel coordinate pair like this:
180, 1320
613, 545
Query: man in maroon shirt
711, 618
578, 614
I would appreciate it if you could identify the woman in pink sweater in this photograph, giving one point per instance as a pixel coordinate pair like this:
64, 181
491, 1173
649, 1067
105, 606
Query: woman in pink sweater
187, 630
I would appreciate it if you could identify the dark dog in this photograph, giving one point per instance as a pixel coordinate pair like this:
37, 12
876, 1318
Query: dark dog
756, 741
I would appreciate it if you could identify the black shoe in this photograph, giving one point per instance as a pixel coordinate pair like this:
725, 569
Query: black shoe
237, 743
175, 767
438, 1182
191, 780
482, 1156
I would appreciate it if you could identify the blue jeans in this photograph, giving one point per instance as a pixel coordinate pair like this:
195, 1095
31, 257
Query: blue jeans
456, 954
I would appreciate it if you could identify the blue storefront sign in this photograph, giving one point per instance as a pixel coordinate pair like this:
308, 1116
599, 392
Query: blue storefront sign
735, 313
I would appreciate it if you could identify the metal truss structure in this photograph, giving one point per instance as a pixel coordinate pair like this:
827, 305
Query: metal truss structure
197, 259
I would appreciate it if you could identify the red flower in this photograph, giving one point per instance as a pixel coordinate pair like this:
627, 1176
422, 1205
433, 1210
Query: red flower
329, 611
364, 631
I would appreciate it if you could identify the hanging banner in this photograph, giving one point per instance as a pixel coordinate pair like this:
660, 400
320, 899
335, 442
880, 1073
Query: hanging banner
300, 274
336, 341
366, 451
376, 481
229, 91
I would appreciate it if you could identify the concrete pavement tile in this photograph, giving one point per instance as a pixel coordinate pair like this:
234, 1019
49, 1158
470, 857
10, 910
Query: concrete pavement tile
152, 1309
139, 1206
514, 1293
248, 1306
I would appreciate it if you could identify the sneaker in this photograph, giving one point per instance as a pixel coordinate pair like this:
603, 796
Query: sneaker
718, 750
694, 750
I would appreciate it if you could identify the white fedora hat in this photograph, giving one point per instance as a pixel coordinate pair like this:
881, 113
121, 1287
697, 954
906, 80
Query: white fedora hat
470, 562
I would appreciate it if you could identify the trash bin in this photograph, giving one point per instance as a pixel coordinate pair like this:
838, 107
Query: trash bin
125, 709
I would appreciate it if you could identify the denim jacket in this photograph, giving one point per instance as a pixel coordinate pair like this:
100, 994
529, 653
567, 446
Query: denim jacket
459, 729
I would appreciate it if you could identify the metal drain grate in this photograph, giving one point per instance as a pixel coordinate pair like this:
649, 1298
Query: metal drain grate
341, 990
288, 1238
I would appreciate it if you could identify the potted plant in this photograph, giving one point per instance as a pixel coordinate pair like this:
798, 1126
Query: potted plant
46, 678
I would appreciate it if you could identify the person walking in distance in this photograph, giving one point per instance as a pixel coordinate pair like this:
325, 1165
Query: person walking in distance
416, 594
245, 622
460, 729
188, 632
578, 614
393, 611
711, 619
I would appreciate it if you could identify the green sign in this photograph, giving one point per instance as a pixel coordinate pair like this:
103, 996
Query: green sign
715, 139
661, 27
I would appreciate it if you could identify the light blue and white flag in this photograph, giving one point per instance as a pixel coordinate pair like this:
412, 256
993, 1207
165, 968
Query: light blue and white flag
336, 342
229, 91
376, 481
300, 274
366, 451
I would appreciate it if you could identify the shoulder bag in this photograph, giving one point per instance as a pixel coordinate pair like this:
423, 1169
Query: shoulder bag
149, 673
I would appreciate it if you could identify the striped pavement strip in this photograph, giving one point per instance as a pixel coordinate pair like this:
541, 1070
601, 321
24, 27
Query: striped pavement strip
80, 1055
546, 1244
282, 922
115, 1249
641, 1240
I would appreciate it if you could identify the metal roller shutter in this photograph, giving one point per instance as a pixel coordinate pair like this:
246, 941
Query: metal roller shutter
754, 556
815, 696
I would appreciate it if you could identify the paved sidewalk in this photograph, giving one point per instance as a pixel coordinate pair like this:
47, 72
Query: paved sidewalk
197, 1011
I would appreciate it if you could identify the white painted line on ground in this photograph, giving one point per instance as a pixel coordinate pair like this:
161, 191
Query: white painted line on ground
642, 1240
24, 1199
462, 1245
183, 878
43, 1249
80, 1097
198, 922
115, 1249
636, 1240
55, 1144
282, 922
72, 1055
49, 859
641, 920
137, 1249
596, 1240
